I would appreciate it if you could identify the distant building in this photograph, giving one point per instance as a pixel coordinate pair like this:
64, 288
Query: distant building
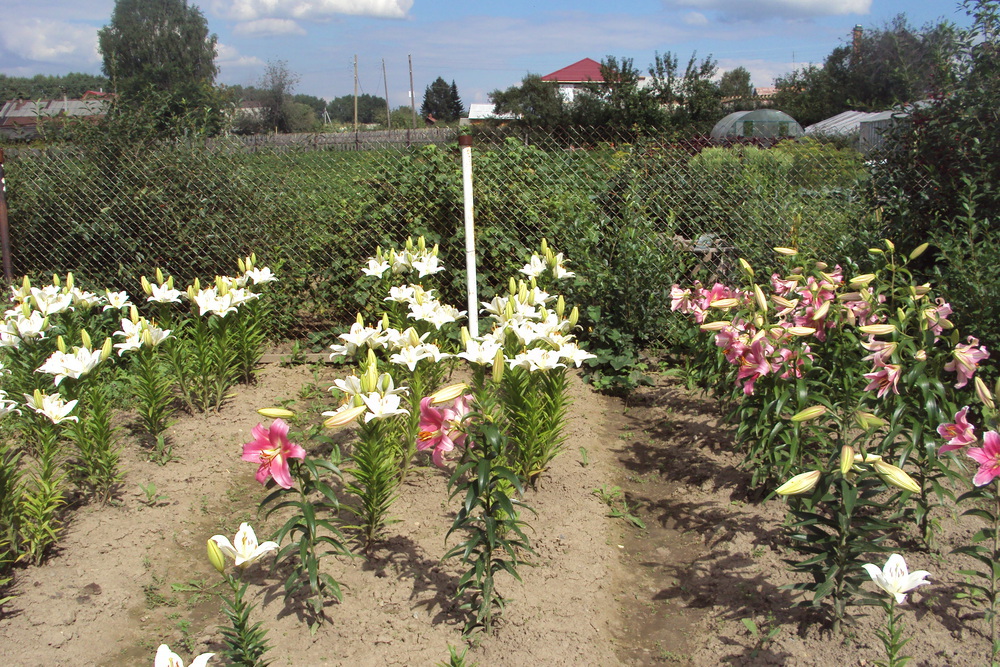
865, 128
761, 124
576, 77
482, 114
19, 118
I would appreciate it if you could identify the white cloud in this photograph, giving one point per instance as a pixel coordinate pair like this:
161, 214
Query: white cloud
778, 8
229, 56
251, 10
50, 41
268, 28
695, 19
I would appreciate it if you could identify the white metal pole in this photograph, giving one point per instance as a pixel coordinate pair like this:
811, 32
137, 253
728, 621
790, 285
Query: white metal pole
465, 141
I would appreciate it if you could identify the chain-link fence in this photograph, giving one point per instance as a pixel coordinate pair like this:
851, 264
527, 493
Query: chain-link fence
633, 214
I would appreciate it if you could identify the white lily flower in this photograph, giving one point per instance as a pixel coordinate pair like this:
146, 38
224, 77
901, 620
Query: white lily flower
382, 407
7, 405
894, 577
535, 267
480, 351
244, 550
402, 294
70, 364
261, 275
351, 386
50, 300
132, 332
52, 406
375, 268
33, 326
432, 351
164, 294
167, 658
537, 359
409, 356
116, 300
426, 266
559, 269
572, 353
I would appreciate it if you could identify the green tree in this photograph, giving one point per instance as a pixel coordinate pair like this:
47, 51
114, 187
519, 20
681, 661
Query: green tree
618, 103
275, 93
157, 48
536, 103
40, 86
371, 109
692, 96
736, 83
441, 102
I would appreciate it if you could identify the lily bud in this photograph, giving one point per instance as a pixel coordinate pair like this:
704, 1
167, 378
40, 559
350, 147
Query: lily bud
878, 329
822, 266
241, 265
85, 338
822, 311
574, 316
862, 280
802, 483
146, 337
499, 366
409, 243
876, 251
560, 306
718, 325
275, 413
725, 304
920, 355
55, 279
522, 292
867, 420
436, 249
846, 459
449, 393
894, 476
360, 320
421, 243
159, 276
215, 556
413, 337
385, 321
512, 286
107, 348
809, 413
170, 282
984, 393
196, 284
25, 284
788, 252
146, 287
890, 245
345, 416
69, 281
544, 246
747, 269
508, 311
60, 344
801, 331
465, 336
758, 294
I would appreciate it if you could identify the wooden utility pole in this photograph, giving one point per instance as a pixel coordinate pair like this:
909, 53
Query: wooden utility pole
388, 112
355, 93
413, 98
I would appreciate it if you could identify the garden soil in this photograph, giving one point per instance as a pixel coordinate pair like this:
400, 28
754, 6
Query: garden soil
663, 573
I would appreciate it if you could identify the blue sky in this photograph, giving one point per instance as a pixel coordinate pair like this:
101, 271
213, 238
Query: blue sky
481, 46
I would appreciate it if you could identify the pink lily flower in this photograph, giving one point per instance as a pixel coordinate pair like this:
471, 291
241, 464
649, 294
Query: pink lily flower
959, 434
988, 458
271, 449
966, 360
883, 378
439, 428
753, 364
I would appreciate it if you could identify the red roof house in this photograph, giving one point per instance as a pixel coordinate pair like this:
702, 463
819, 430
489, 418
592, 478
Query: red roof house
575, 77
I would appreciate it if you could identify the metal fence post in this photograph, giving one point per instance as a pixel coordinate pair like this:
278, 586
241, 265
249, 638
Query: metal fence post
465, 142
8, 270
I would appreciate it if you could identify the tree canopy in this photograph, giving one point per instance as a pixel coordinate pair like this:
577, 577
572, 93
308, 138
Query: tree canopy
441, 101
40, 86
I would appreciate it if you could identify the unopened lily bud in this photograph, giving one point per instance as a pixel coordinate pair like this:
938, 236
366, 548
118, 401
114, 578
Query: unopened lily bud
508, 311
822, 311
106, 349
55, 279
85, 338
275, 413
170, 282
413, 337
822, 266
747, 269
544, 246
560, 307
436, 249
788, 252
862, 280
849, 296
241, 265
920, 355
222, 286
146, 337
718, 325
801, 331
61, 344
146, 287
69, 281
876, 251
449, 393
512, 286
725, 304
782, 301
499, 366
802, 483
890, 245
384, 384
196, 285
421, 243
758, 294
159, 276
385, 321
360, 320
522, 292
809, 413
215, 556
901, 314
574, 316
465, 336
867, 420
846, 459
252, 261
409, 243
878, 329
894, 476
25, 284
345, 416
983, 393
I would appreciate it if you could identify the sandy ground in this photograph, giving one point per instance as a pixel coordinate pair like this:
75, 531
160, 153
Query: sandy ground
602, 590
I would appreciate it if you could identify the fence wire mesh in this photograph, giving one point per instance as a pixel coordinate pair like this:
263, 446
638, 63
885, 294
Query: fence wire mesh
638, 213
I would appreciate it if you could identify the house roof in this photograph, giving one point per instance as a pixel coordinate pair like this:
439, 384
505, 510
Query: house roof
21, 113
847, 122
485, 112
580, 71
